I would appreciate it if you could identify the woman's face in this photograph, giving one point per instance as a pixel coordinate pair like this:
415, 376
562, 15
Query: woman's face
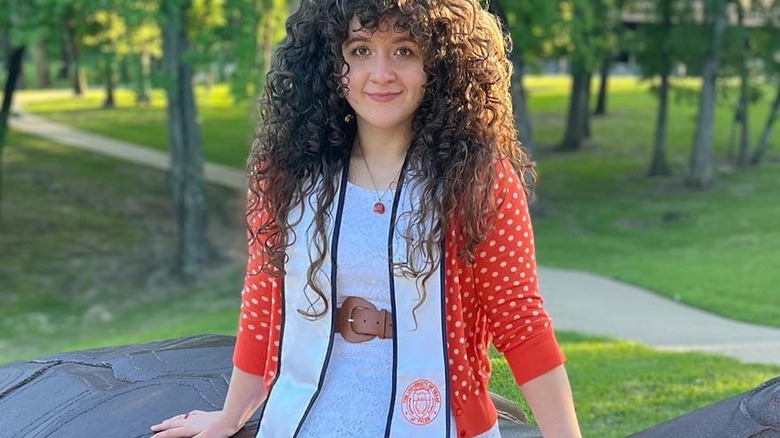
386, 78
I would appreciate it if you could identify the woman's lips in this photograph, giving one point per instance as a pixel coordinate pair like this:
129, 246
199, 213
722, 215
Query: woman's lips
383, 97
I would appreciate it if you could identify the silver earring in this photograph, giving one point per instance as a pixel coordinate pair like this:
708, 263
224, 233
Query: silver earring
348, 118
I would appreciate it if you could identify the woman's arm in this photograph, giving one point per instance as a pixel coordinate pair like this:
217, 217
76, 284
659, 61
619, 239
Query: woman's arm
245, 394
549, 396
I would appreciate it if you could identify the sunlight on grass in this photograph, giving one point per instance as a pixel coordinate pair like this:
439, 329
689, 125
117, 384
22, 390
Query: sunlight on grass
715, 249
620, 388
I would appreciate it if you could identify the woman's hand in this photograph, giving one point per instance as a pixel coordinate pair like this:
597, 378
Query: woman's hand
198, 424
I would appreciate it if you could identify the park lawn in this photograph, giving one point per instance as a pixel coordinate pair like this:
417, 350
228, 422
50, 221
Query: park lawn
713, 249
85, 240
226, 127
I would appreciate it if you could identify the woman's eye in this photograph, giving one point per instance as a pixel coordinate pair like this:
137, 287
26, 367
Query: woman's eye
405, 52
361, 51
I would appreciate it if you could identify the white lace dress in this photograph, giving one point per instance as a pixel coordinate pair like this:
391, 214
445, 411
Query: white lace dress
355, 397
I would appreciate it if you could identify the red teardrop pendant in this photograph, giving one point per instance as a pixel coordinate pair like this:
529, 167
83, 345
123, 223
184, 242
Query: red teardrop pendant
379, 208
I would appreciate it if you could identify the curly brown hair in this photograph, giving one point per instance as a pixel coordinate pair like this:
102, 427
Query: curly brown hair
463, 125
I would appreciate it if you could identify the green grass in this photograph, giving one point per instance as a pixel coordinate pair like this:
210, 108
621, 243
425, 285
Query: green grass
226, 127
716, 249
86, 241
84, 249
620, 388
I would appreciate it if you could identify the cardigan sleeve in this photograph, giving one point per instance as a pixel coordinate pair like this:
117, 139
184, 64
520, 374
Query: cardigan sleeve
507, 284
258, 301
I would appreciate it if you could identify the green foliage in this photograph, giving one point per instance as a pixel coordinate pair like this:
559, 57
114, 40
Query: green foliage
252, 30
532, 25
671, 37
588, 30
686, 91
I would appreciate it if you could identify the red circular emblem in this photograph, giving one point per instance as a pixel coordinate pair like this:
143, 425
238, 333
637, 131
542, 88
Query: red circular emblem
421, 402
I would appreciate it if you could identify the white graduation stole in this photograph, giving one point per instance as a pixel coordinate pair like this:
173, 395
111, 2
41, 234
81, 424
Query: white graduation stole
420, 405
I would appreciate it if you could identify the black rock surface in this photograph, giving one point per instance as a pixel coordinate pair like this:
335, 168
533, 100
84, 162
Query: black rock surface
121, 391
116, 391
752, 414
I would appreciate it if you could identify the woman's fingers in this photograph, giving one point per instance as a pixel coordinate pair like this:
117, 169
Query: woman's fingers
185, 425
166, 423
175, 432
171, 423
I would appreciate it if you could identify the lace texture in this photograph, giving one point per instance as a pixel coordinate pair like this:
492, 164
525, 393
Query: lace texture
355, 397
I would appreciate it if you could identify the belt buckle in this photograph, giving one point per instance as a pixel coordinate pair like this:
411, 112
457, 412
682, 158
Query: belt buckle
349, 305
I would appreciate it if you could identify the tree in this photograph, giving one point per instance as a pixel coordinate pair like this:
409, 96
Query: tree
69, 19
107, 33
659, 165
186, 174
612, 18
251, 30
768, 38
531, 27
588, 41
763, 144
743, 106
42, 77
10, 19
145, 42
700, 174
659, 45
14, 70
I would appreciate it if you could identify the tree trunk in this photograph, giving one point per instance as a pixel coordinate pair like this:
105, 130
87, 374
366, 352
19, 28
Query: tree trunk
14, 71
63, 68
743, 159
578, 108
701, 168
763, 144
659, 166
186, 174
520, 106
601, 103
77, 76
109, 77
143, 94
588, 87
519, 95
208, 79
42, 79
124, 70
743, 156
5, 45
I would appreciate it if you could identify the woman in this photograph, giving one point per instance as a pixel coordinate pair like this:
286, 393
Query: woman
390, 240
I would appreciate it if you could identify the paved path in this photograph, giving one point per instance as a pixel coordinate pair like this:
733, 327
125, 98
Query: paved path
62, 134
577, 301
596, 305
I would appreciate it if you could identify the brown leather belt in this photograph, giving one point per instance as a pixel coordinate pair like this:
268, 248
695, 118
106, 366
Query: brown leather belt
359, 321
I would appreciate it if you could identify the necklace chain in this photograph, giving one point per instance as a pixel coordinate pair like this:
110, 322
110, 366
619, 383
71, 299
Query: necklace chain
379, 207
381, 197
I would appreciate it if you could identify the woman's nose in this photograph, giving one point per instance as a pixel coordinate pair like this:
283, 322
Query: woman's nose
383, 70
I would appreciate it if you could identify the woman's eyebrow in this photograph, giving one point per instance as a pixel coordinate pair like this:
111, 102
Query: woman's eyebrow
365, 39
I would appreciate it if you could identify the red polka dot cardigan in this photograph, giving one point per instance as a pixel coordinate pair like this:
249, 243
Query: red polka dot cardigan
495, 299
